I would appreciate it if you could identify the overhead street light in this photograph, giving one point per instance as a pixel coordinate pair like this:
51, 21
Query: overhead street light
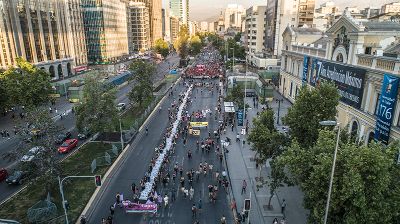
331, 123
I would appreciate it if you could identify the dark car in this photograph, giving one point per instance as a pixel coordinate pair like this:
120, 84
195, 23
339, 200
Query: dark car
84, 134
62, 137
3, 174
17, 177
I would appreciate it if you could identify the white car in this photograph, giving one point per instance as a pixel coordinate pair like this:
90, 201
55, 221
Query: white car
32, 153
121, 106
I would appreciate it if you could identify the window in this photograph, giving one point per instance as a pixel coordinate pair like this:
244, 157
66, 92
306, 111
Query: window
368, 50
291, 88
293, 19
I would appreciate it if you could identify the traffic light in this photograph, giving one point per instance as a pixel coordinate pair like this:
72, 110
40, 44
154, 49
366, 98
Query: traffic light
97, 180
247, 204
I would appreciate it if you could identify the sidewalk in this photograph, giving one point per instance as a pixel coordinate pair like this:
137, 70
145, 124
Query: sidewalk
242, 166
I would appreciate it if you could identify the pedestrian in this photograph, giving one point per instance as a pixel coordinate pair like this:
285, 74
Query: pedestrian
191, 193
103, 221
83, 219
112, 210
117, 199
199, 205
244, 185
223, 219
172, 195
275, 221
194, 211
109, 220
283, 207
232, 126
166, 200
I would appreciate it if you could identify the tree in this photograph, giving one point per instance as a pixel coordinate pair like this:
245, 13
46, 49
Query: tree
237, 37
268, 143
311, 107
366, 184
40, 131
143, 88
181, 43
27, 85
161, 47
195, 45
4, 99
98, 112
236, 95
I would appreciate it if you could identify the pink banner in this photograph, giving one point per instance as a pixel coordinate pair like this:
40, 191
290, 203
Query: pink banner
131, 207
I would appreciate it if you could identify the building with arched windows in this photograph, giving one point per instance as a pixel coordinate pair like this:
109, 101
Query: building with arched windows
362, 58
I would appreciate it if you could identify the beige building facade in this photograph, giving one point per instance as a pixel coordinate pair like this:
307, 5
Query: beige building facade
356, 56
41, 32
138, 27
254, 30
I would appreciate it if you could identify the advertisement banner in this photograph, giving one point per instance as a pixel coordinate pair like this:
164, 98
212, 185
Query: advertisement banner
386, 107
348, 80
240, 117
314, 79
305, 69
198, 124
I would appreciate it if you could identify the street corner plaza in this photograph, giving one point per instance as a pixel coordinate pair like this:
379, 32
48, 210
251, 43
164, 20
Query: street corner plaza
175, 173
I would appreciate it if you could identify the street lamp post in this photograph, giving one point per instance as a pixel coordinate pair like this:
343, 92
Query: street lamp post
60, 182
120, 131
245, 90
331, 123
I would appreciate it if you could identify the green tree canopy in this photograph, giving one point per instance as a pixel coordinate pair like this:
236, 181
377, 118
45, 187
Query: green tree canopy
161, 47
26, 85
236, 95
98, 112
143, 75
311, 107
366, 185
182, 42
195, 45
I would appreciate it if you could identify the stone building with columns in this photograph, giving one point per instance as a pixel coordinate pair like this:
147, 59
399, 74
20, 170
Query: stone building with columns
356, 55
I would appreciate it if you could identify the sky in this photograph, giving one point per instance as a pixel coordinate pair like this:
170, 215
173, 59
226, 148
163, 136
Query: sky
205, 10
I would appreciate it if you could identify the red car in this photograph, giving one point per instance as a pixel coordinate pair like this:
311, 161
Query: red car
68, 145
3, 174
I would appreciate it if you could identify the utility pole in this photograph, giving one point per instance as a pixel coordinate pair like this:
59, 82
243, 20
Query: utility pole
120, 131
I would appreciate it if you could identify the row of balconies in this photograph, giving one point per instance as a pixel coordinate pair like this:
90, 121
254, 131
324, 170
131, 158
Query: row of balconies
389, 64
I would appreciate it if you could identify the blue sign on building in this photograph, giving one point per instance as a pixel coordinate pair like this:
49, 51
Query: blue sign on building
305, 69
387, 103
240, 117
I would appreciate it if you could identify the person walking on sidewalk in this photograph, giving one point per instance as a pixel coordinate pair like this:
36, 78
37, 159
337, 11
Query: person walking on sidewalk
223, 219
191, 193
283, 207
244, 185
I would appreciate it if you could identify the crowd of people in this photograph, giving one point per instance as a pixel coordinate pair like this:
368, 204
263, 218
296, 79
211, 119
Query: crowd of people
207, 65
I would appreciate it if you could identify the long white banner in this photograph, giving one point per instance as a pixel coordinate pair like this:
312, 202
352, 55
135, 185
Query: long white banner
145, 193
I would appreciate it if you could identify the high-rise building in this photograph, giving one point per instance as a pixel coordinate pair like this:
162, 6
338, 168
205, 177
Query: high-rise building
138, 27
175, 24
180, 9
105, 30
211, 27
204, 26
254, 29
283, 13
76, 34
166, 25
233, 15
155, 18
390, 7
39, 32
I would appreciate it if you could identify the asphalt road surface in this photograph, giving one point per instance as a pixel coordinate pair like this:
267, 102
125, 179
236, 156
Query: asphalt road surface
136, 163
68, 123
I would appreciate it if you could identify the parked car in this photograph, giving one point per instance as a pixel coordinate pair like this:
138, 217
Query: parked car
17, 177
84, 134
121, 106
68, 145
62, 137
3, 174
32, 153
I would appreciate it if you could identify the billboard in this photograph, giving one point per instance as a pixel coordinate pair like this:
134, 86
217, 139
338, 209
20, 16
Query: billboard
386, 107
348, 80
305, 69
240, 117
